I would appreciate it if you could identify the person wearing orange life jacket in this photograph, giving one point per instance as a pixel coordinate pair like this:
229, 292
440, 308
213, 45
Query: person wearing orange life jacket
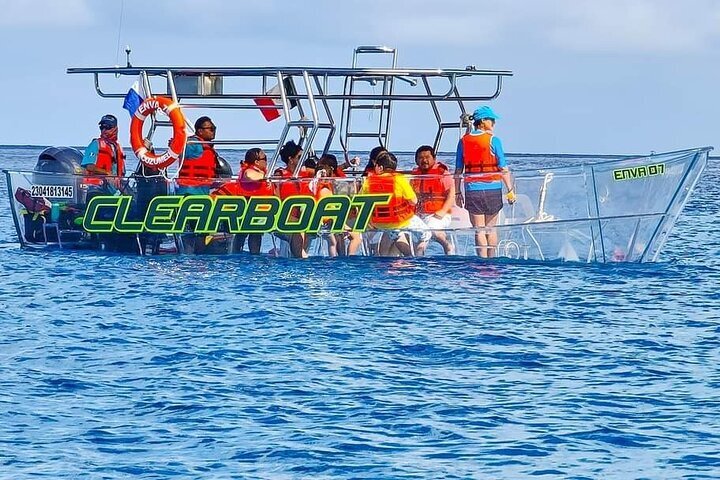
253, 172
435, 189
289, 186
251, 182
480, 157
104, 155
196, 176
370, 167
290, 154
323, 186
200, 163
397, 218
104, 166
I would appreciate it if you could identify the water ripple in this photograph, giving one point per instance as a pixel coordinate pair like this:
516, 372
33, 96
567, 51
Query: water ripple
118, 367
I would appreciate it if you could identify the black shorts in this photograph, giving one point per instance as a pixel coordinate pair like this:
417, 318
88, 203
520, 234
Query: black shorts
483, 202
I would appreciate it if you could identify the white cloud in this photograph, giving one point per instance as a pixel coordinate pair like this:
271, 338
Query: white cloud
211, 16
635, 26
586, 26
45, 13
423, 27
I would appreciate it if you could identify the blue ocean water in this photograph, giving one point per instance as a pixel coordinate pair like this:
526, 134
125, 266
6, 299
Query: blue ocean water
238, 367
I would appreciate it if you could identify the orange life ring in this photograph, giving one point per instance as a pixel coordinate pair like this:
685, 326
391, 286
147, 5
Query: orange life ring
177, 142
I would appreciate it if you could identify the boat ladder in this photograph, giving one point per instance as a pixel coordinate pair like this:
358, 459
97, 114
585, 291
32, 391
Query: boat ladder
351, 87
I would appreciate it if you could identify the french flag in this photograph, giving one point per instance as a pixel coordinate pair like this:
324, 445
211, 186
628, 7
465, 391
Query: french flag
271, 114
133, 98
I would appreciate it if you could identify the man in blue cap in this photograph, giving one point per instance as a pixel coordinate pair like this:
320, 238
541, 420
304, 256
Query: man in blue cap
481, 159
104, 155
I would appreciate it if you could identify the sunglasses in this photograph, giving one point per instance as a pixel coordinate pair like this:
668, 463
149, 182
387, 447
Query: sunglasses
211, 128
262, 159
106, 127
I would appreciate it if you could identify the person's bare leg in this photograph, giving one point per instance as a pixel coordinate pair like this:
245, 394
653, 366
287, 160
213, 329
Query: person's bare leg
385, 245
332, 245
340, 244
239, 242
295, 245
298, 246
420, 248
355, 242
305, 245
254, 243
492, 235
373, 243
403, 245
481, 241
443, 240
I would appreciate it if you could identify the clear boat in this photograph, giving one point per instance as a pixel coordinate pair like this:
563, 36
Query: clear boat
604, 209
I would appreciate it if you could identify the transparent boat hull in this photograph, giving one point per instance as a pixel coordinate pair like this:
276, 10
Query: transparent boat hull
613, 211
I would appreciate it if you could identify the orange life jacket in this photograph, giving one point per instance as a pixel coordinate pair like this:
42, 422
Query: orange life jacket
479, 158
322, 184
230, 189
430, 189
293, 187
254, 188
327, 182
109, 153
199, 171
398, 210
245, 187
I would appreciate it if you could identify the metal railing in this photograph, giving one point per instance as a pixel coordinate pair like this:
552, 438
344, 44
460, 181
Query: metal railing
319, 90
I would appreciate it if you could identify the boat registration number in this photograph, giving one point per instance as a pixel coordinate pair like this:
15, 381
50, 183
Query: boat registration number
639, 172
53, 191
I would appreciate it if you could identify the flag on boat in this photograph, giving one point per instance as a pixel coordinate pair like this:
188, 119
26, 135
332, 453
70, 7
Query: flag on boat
133, 98
271, 114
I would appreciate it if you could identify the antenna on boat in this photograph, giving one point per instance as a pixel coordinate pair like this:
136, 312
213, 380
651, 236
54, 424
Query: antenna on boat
119, 33
127, 56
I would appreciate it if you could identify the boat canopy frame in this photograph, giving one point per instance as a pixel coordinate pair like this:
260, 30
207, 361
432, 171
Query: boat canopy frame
314, 96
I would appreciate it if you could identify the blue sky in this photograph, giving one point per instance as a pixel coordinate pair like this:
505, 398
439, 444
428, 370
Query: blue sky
617, 76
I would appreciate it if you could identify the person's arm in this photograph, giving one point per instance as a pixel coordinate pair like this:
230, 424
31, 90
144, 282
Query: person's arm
90, 158
278, 174
94, 170
325, 191
497, 149
405, 189
193, 151
467, 120
253, 175
459, 170
349, 162
449, 185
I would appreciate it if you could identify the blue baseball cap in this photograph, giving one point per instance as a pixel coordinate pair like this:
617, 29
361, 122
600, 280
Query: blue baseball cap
108, 121
484, 112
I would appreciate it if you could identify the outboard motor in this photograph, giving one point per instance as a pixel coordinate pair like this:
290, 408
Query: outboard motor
59, 160
223, 169
60, 167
